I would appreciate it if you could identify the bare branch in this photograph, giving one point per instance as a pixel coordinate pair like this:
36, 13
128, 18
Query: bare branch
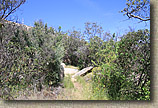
138, 9
3, 13
14, 9
9, 7
137, 17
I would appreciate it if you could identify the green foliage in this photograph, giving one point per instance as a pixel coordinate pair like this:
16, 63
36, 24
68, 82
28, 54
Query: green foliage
81, 80
125, 74
79, 52
29, 58
16, 64
67, 82
105, 52
134, 60
98, 87
51, 52
91, 30
105, 57
74, 48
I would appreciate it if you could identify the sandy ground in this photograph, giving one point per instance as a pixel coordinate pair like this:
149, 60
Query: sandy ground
70, 71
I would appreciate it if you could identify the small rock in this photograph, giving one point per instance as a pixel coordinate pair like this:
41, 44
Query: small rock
63, 64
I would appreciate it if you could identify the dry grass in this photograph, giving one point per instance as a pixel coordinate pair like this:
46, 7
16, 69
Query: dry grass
45, 94
81, 91
78, 89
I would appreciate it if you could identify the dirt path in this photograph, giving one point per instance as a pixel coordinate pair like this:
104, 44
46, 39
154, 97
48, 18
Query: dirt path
75, 93
70, 71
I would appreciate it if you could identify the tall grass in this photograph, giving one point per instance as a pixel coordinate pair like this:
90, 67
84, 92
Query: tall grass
67, 82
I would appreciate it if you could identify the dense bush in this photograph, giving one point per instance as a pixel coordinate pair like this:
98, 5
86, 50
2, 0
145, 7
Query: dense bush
29, 58
125, 76
50, 52
76, 50
14, 58
72, 42
105, 58
134, 62
81, 49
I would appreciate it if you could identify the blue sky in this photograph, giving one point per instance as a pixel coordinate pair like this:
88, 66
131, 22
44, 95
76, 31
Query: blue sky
74, 13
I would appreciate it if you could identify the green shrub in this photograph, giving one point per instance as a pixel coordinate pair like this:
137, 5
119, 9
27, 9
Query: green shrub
75, 49
51, 52
124, 73
29, 58
133, 62
98, 86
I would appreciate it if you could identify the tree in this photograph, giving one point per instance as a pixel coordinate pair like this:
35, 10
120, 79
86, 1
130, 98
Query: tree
139, 9
73, 41
8, 7
133, 62
92, 29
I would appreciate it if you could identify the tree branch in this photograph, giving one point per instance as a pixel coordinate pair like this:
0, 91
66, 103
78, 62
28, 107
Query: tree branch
14, 9
136, 10
3, 13
137, 17
9, 8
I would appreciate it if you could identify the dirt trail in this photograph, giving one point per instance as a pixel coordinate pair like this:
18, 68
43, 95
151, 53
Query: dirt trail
70, 71
76, 93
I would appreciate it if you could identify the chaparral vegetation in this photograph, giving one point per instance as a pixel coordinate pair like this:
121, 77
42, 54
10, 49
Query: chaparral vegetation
32, 58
